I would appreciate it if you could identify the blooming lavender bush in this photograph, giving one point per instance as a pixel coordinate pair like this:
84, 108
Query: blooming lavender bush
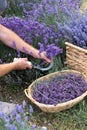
75, 29
51, 50
16, 7
18, 119
47, 10
42, 23
32, 31
59, 89
55, 13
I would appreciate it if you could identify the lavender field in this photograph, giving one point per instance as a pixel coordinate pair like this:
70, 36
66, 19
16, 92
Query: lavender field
47, 25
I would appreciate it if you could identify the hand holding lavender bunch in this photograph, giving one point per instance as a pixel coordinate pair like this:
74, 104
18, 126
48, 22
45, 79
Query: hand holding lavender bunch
51, 50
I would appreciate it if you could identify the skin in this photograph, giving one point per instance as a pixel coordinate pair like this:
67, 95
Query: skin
8, 37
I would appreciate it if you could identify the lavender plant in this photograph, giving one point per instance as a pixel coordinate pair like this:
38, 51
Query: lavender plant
59, 89
42, 23
18, 119
32, 31
16, 7
75, 29
47, 10
51, 50
54, 13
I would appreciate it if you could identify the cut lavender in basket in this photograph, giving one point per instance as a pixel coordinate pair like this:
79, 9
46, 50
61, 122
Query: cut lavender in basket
59, 89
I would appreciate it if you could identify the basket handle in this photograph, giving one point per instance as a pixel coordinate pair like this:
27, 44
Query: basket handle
84, 74
86, 93
26, 92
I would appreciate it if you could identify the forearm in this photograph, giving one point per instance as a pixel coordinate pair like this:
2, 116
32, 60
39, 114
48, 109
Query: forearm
8, 37
6, 68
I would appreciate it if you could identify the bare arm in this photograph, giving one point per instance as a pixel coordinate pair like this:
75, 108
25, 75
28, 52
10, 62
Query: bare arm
19, 64
6, 68
7, 37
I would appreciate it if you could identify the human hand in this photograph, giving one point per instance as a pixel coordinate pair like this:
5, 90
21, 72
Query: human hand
44, 57
22, 63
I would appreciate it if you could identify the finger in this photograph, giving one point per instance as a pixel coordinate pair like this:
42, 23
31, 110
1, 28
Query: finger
25, 59
45, 57
49, 61
29, 63
29, 67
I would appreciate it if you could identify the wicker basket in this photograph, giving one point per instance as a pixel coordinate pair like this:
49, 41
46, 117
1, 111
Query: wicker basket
76, 58
52, 108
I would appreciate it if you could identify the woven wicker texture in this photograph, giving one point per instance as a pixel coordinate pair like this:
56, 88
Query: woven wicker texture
76, 58
53, 108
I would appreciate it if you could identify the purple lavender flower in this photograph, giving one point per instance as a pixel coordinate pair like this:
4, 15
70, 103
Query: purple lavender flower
34, 126
0, 19
31, 109
18, 54
41, 47
32, 31
19, 108
12, 127
18, 118
24, 104
52, 50
1, 61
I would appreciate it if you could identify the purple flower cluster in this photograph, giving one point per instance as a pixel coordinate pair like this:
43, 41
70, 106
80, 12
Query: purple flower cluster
55, 13
17, 119
51, 50
40, 23
74, 30
59, 89
49, 8
32, 31
47, 22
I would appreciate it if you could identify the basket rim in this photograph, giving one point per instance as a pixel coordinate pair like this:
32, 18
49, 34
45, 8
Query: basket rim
76, 47
77, 99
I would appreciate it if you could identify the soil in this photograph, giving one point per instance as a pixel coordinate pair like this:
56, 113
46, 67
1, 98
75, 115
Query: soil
12, 90
12, 96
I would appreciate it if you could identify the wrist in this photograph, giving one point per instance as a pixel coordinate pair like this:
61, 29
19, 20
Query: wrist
13, 65
35, 53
